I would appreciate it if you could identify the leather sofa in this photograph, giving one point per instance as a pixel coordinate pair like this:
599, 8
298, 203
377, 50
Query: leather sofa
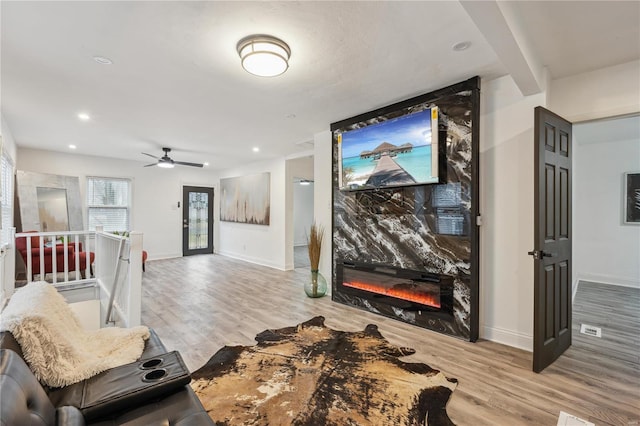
26, 401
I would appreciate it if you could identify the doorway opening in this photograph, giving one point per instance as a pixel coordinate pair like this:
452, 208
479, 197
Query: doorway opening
303, 190
606, 279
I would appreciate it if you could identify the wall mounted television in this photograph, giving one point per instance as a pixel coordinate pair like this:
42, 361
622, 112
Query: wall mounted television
399, 151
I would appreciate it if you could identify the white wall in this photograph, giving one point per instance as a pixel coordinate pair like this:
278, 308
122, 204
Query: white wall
155, 192
264, 245
604, 248
302, 213
8, 143
322, 197
506, 206
606, 92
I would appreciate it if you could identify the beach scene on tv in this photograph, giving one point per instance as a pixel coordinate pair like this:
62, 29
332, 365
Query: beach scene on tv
396, 152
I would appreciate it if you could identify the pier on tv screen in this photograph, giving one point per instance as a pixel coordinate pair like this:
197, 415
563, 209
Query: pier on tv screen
402, 151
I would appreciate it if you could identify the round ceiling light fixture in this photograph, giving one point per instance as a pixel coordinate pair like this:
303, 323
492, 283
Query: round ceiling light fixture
264, 55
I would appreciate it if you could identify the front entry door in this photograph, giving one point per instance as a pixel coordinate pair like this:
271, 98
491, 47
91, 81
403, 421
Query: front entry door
197, 220
552, 239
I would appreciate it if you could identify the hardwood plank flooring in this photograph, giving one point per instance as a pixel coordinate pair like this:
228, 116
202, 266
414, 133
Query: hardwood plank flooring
198, 304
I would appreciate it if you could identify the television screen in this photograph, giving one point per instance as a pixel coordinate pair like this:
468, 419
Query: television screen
401, 151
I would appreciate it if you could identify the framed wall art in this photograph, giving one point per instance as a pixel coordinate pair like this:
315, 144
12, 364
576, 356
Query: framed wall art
632, 198
246, 199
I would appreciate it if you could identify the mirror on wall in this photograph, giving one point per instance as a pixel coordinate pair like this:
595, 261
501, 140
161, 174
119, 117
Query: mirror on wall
48, 203
52, 209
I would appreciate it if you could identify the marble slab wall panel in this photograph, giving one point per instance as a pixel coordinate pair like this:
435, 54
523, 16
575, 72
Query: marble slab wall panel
426, 228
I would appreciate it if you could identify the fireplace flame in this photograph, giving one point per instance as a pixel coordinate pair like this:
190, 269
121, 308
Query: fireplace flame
413, 295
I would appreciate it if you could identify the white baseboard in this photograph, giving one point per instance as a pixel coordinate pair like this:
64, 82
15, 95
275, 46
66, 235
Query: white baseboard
608, 279
251, 259
507, 337
162, 256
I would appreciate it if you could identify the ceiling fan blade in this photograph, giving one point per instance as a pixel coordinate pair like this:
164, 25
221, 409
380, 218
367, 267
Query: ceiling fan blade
152, 156
152, 164
182, 163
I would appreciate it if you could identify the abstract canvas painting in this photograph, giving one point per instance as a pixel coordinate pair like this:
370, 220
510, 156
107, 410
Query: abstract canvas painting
246, 199
632, 199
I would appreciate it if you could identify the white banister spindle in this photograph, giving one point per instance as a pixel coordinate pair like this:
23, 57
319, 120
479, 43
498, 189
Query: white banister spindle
76, 257
41, 256
54, 259
135, 278
29, 259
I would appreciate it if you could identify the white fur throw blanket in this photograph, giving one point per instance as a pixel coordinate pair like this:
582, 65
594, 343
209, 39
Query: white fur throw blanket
56, 347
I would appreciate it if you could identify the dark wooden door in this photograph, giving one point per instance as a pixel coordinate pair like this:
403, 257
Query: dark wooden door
552, 240
197, 220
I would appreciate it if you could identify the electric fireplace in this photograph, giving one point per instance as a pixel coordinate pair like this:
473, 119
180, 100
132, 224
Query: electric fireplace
424, 294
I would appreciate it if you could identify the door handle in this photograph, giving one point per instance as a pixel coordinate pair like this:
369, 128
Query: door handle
539, 254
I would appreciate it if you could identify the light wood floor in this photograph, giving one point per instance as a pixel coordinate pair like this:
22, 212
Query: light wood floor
198, 304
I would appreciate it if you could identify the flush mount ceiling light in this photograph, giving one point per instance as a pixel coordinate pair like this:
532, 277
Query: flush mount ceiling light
264, 55
306, 182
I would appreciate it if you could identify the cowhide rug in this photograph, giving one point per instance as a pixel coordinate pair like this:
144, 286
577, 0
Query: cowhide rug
313, 375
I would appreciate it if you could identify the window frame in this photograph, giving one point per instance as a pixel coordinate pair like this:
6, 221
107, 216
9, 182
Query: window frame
7, 194
129, 202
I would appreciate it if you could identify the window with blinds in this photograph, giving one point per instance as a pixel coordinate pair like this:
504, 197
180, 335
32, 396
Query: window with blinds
6, 200
108, 203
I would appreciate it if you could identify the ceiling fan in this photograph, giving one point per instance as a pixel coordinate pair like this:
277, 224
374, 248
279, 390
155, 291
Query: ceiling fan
167, 162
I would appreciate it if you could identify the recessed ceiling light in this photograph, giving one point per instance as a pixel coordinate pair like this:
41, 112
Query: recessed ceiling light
206, 163
102, 60
256, 149
463, 45
84, 116
72, 146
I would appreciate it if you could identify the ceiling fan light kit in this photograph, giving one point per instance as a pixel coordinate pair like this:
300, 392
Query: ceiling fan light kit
167, 162
264, 55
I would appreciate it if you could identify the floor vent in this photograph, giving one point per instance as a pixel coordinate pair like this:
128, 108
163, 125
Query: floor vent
567, 419
591, 330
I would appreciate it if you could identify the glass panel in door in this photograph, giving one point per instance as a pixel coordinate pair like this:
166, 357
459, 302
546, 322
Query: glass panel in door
197, 220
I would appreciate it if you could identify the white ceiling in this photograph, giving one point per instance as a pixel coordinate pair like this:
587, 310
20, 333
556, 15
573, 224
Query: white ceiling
176, 78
